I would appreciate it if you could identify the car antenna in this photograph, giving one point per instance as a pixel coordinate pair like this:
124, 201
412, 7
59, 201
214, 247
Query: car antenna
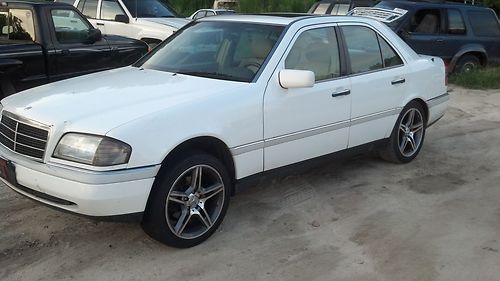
136, 12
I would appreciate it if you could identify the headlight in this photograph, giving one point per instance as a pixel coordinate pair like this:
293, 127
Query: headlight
92, 150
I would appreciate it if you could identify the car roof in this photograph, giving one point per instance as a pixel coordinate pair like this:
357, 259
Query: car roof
34, 3
287, 19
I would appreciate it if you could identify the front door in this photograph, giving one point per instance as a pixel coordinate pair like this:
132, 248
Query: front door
304, 123
74, 53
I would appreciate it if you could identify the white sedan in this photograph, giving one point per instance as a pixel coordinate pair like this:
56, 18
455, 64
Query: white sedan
226, 98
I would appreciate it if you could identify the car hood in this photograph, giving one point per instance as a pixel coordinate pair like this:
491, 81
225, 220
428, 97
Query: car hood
173, 22
99, 102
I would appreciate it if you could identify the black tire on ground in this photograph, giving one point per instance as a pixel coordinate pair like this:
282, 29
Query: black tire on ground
468, 63
402, 130
162, 216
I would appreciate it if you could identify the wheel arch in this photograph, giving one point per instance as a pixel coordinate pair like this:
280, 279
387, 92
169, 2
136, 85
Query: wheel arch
475, 50
208, 144
424, 106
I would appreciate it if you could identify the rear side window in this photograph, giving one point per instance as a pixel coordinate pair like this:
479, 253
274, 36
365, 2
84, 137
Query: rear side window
88, 8
316, 50
484, 24
456, 23
390, 57
17, 24
427, 21
363, 48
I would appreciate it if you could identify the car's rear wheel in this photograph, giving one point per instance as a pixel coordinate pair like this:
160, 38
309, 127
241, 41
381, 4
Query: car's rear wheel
189, 201
407, 136
468, 64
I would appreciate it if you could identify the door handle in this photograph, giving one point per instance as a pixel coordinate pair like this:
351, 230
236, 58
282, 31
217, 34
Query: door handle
398, 81
100, 23
341, 93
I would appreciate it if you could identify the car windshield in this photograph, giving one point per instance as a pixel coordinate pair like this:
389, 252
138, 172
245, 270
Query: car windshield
149, 9
219, 50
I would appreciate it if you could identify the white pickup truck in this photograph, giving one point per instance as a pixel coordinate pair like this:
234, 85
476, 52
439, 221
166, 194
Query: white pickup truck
151, 21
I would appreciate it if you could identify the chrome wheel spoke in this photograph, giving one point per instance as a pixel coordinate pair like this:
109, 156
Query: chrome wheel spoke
203, 214
411, 118
178, 197
418, 127
403, 127
211, 191
196, 178
411, 141
183, 221
404, 143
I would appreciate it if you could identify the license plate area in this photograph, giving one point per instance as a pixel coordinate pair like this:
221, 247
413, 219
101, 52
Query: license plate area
8, 171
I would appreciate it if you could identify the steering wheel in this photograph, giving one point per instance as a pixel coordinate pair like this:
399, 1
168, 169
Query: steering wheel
252, 66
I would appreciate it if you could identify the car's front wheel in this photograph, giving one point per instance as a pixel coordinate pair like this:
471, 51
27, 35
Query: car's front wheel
407, 136
188, 202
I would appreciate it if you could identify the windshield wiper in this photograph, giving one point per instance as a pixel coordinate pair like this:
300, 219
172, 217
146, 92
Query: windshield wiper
215, 75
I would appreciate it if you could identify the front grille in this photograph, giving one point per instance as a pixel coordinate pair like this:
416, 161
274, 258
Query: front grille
23, 136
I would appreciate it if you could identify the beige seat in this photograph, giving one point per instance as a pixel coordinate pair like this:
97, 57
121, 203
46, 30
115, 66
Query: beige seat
429, 24
259, 49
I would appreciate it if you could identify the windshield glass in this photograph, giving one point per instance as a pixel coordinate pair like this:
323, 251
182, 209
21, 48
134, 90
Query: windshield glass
149, 9
221, 50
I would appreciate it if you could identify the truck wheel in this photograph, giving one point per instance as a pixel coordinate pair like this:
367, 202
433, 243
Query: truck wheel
188, 201
468, 64
407, 137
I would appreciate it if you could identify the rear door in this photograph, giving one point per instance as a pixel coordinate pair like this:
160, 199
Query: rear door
426, 33
378, 83
74, 54
110, 14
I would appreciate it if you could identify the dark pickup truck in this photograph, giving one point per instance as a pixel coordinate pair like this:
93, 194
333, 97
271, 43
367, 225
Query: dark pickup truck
42, 42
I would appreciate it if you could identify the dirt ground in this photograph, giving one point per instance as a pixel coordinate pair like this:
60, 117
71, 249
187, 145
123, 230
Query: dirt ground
437, 218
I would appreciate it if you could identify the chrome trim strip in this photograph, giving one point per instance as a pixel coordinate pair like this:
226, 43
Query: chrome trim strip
26, 121
438, 100
306, 133
238, 150
374, 116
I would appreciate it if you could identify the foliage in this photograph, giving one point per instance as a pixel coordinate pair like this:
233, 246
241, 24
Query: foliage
483, 79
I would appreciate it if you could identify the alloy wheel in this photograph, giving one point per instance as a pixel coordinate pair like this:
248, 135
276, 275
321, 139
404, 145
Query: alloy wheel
410, 133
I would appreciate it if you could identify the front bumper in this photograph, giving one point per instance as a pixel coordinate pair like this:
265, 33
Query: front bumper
89, 193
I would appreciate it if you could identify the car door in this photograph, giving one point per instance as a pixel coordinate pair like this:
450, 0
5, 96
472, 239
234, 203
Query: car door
304, 123
378, 83
74, 54
425, 32
89, 9
112, 19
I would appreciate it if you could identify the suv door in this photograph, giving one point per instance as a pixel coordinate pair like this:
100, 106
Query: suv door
378, 81
74, 54
425, 32
304, 123
456, 33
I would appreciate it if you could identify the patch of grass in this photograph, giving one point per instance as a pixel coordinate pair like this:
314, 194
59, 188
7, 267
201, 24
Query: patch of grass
483, 79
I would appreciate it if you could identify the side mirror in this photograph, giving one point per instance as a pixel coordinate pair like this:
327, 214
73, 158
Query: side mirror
122, 18
290, 78
94, 35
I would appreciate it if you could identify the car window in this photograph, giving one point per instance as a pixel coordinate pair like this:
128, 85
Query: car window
389, 56
363, 48
210, 13
340, 9
67, 1
88, 8
316, 50
17, 24
321, 8
484, 24
149, 8
219, 50
110, 9
456, 23
69, 26
427, 21
200, 15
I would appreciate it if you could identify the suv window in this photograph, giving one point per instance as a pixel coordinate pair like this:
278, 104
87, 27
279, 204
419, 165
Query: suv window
484, 24
88, 8
456, 23
69, 26
316, 50
426, 21
110, 9
363, 48
17, 24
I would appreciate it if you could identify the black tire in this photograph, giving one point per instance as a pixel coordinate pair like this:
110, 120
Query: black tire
468, 64
392, 152
159, 217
